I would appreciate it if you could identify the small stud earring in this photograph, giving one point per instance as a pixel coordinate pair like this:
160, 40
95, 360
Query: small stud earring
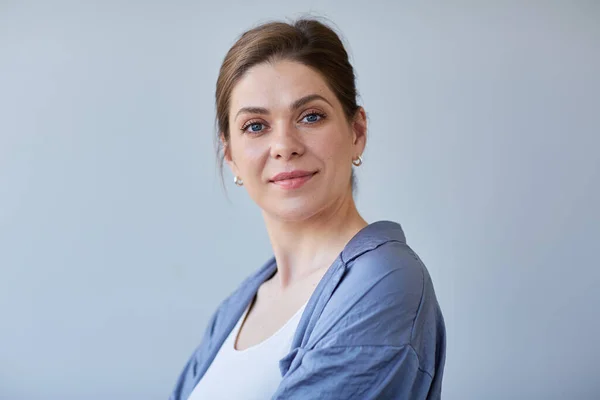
358, 162
238, 181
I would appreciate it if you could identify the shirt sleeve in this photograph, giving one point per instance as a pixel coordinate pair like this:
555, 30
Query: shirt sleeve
357, 372
187, 378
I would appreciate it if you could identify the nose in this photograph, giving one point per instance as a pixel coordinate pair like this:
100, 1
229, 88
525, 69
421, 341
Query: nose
286, 143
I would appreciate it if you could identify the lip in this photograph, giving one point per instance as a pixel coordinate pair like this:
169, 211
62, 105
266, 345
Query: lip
293, 179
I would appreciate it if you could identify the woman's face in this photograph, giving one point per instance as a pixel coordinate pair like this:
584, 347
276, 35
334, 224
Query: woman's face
290, 141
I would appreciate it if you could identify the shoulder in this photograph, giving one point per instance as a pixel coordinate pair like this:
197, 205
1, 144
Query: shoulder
386, 296
379, 256
392, 264
382, 266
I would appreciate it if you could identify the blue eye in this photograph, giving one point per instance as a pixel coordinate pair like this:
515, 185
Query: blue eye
253, 127
313, 117
256, 127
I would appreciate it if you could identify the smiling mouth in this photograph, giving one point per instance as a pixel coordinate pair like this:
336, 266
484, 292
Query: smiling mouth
293, 180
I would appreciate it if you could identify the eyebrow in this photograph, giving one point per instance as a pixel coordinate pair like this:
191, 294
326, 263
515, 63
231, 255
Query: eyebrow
295, 105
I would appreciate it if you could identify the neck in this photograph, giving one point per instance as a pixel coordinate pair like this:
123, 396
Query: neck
302, 248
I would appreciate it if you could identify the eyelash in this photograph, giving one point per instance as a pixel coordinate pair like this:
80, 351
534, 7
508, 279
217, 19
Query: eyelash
321, 115
251, 122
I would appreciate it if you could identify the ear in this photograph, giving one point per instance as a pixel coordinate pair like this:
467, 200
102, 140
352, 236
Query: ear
359, 131
227, 156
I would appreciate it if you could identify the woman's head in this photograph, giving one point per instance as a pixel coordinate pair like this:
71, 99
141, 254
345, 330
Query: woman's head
286, 103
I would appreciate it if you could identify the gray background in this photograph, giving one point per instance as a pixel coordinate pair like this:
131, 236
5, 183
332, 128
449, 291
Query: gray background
117, 241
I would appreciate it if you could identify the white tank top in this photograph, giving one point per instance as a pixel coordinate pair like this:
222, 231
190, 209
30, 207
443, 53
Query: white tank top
247, 374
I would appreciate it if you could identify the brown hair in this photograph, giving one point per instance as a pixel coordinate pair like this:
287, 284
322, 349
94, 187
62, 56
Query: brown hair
306, 41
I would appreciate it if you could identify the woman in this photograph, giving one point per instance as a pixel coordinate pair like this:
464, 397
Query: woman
344, 309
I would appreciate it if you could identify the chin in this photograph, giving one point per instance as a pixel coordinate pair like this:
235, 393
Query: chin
294, 210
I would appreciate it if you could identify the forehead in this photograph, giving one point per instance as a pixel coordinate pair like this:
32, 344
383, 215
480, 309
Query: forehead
277, 85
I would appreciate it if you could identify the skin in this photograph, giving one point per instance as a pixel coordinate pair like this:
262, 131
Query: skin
284, 117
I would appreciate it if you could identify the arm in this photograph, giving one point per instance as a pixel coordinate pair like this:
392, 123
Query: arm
358, 372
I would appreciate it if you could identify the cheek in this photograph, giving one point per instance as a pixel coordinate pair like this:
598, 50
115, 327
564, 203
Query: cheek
334, 146
248, 155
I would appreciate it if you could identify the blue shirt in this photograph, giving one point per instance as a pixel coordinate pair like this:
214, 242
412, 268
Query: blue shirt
372, 329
